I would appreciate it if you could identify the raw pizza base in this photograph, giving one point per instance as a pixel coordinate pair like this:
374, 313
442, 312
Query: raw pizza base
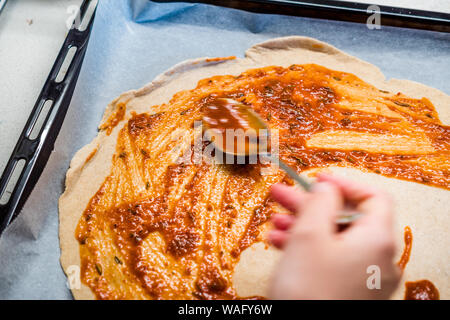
423, 208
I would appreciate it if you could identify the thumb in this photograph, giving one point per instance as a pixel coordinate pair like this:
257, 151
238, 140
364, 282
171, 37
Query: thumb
320, 210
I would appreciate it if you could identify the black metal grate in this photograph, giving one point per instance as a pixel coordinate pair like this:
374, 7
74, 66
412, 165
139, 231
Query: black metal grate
37, 139
339, 10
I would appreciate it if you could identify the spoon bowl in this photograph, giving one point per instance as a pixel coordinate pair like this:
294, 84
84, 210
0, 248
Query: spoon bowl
224, 117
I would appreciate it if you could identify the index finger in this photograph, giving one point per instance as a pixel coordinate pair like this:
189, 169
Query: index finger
351, 190
289, 197
374, 204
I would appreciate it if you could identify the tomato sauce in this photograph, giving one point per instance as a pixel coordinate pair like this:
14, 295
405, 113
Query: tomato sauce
164, 228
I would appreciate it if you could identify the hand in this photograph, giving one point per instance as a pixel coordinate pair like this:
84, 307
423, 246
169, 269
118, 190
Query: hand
319, 262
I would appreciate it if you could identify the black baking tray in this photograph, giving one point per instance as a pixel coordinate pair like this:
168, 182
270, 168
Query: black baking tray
35, 152
342, 11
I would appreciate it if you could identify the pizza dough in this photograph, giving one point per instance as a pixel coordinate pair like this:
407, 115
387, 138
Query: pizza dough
421, 207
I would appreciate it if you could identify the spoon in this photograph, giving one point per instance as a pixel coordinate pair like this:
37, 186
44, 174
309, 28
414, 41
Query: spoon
227, 114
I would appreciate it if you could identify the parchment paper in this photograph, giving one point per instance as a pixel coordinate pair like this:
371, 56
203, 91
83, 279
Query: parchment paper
131, 43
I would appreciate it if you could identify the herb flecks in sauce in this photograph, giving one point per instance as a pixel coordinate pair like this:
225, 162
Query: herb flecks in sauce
179, 228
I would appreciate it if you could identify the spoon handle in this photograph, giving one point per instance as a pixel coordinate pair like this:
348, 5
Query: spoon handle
345, 217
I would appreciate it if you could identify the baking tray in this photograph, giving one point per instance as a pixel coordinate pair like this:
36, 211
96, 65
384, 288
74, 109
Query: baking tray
34, 145
32, 153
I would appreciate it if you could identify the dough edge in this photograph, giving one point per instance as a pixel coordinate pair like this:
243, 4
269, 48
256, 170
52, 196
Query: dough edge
84, 178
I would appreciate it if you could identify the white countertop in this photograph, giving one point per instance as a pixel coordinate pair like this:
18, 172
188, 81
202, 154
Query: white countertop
31, 34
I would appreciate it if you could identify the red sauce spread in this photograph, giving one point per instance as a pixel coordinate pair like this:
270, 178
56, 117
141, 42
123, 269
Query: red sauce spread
116, 116
421, 290
417, 290
408, 238
223, 114
161, 228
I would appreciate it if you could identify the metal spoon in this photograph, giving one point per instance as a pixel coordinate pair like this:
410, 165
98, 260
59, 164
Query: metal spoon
346, 217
